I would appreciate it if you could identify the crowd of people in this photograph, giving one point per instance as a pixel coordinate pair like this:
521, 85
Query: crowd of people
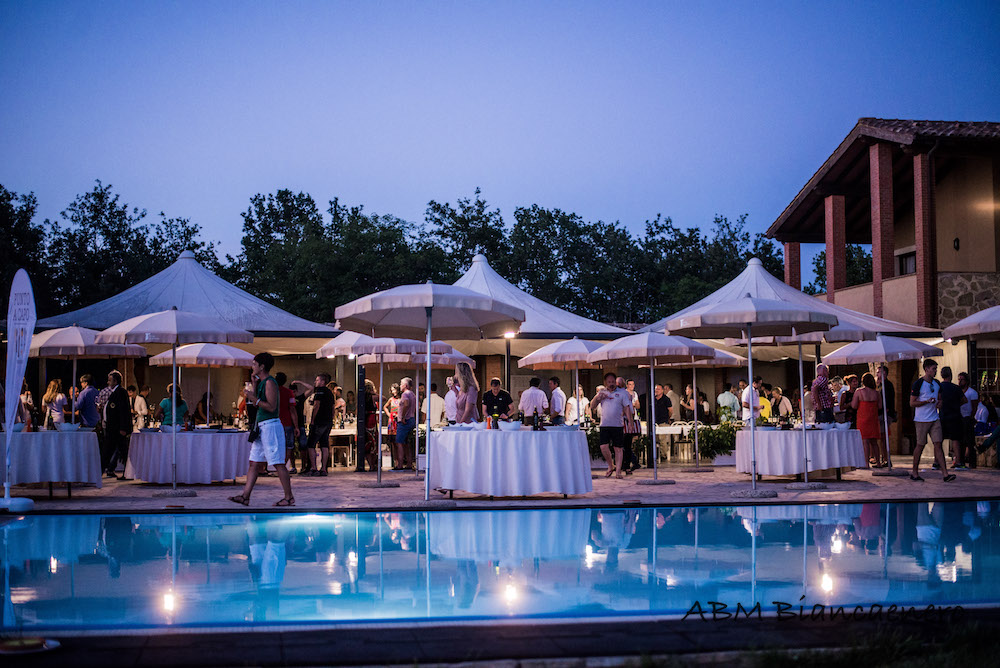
308, 412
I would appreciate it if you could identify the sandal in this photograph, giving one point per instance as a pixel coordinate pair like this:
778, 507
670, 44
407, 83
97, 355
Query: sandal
240, 499
288, 501
949, 477
916, 478
610, 473
619, 476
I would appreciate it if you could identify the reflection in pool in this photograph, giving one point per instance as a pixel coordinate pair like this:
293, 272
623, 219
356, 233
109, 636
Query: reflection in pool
117, 571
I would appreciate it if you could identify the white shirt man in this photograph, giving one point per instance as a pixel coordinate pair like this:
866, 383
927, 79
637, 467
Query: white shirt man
675, 402
450, 407
437, 407
751, 400
533, 399
557, 404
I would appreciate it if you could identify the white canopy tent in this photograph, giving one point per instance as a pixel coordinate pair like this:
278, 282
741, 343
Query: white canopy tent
756, 281
188, 286
543, 323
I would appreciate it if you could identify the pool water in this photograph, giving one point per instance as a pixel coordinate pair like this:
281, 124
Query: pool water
77, 572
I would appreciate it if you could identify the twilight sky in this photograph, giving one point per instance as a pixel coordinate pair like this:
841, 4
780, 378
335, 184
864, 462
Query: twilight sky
616, 111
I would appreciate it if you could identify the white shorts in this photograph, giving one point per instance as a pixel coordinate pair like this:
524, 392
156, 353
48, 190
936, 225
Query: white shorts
270, 447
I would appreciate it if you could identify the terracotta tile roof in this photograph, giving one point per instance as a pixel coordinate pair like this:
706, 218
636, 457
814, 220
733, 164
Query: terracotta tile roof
906, 131
903, 132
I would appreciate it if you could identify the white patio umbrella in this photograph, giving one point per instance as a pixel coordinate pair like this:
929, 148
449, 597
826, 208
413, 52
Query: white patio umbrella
449, 311
842, 332
205, 355
564, 355
883, 349
982, 325
743, 317
353, 343
74, 343
393, 362
653, 349
174, 327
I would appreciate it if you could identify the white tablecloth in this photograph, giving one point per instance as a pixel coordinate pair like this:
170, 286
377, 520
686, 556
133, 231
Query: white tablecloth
54, 456
201, 458
519, 463
510, 537
827, 513
780, 452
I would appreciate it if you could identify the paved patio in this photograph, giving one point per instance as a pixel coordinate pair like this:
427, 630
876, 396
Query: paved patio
341, 490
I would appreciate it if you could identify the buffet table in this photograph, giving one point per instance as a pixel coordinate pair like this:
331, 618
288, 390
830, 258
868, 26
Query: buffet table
54, 456
780, 452
201, 458
511, 463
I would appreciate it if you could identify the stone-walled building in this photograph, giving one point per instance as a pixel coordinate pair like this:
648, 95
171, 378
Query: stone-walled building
926, 196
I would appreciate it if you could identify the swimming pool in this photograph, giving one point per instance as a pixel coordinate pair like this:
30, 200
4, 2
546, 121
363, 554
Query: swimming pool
75, 572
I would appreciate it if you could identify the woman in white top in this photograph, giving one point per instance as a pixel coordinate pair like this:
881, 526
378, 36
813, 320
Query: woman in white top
54, 403
140, 409
572, 415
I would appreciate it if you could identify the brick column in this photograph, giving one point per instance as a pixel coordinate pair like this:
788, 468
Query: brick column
923, 215
835, 215
793, 265
883, 233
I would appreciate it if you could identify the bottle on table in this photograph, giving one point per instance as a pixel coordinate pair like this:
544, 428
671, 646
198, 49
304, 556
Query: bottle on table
534, 421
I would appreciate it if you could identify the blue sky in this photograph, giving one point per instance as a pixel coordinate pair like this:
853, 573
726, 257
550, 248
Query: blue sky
617, 111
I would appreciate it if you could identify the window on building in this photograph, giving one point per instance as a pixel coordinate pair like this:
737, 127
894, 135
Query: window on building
906, 264
988, 366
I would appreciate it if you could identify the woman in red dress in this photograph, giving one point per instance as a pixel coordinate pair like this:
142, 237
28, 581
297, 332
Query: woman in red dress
866, 404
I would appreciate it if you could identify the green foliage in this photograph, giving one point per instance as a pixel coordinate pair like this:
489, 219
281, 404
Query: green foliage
308, 261
717, 440
859, 269
104, 246
22, 242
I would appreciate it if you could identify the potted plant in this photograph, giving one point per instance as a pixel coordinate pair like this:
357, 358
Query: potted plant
718, 442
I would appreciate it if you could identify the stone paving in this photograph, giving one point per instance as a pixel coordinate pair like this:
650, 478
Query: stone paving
341, 490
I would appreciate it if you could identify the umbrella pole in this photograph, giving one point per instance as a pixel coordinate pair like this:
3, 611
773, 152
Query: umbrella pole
173, 415
378, 466
805, 542
576, 395
416, 431
72, 384
651, 427
885, 557
208, 395
885, 421
427, 441
753, 426
802, 403
753, 548
694, 397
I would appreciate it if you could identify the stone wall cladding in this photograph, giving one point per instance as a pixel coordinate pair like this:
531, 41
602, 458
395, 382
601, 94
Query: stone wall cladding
960, 294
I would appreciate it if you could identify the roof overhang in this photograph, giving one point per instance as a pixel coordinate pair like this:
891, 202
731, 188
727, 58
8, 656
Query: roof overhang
846, 172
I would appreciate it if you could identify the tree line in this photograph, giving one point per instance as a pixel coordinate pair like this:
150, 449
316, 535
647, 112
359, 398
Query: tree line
310, 261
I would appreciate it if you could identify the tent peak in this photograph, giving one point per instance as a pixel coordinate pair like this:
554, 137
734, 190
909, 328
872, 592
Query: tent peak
479, 257
187, 255
755, 262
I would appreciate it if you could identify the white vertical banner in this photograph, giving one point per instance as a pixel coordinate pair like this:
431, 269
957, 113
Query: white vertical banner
20, 327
